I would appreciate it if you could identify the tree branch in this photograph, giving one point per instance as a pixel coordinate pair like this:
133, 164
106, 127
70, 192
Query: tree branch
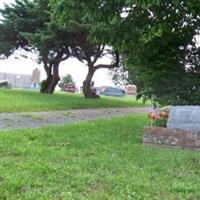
98, 54
105, 66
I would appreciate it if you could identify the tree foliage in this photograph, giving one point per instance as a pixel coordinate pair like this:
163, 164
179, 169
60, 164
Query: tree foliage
90, 53
87, 50
156, 39
36, 29
28, 25
166, 64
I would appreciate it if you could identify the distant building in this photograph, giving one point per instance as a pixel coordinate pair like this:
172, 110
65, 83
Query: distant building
22, 80
35, 79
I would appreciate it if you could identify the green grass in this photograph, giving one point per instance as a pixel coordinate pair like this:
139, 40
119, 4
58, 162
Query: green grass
98, 160
23, 100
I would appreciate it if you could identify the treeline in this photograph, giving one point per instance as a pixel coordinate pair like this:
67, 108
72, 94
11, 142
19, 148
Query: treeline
153, 41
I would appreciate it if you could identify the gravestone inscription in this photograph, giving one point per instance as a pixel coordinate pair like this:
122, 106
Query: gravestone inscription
185, 118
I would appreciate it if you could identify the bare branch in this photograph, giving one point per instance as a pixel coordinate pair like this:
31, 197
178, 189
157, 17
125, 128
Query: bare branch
105, 66
99, 53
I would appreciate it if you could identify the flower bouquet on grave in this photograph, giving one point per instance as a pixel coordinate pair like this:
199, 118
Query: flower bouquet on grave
154, 115
164, 115
159, 118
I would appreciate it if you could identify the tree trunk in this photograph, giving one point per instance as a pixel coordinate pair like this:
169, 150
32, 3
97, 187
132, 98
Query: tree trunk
48, 85
45, 83
87, 90
55, 79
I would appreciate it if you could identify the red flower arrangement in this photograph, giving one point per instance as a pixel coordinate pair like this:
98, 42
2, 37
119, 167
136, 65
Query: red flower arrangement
156, 116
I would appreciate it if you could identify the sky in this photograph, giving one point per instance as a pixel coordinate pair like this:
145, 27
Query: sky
71, 66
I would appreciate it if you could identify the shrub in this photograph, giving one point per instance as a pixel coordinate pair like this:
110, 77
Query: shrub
5, 84
160, 122
43, 85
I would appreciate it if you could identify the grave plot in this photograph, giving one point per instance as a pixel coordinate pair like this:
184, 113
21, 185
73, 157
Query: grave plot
183, 129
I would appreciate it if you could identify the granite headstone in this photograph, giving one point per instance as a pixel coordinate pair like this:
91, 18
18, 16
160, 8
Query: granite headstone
185, 118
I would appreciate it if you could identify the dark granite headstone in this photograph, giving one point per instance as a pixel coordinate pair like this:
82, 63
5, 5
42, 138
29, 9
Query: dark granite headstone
185, 118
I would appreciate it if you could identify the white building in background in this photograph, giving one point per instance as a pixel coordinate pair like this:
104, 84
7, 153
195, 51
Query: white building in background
22, 80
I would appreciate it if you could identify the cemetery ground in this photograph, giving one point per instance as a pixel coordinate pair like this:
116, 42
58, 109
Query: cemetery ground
102, 159
95, 160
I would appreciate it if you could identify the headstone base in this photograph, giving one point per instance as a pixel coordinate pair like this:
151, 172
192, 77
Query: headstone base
165, 137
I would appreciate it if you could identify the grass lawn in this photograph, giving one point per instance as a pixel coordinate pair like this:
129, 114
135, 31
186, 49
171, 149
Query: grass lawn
99, 160
23, 100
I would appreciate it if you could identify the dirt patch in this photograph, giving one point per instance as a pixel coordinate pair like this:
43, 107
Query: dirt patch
41, 119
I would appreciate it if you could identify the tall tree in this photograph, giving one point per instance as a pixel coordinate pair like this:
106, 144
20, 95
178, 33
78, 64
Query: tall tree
87, 50
89, 53
161, 63
28, 25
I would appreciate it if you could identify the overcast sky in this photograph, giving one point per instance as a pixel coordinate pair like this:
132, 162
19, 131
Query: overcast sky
71, 66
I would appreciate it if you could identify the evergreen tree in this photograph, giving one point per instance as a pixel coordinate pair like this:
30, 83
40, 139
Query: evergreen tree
27, 25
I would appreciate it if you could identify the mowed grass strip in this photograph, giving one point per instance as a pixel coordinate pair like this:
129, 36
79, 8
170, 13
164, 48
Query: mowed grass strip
98, 160
23, 100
